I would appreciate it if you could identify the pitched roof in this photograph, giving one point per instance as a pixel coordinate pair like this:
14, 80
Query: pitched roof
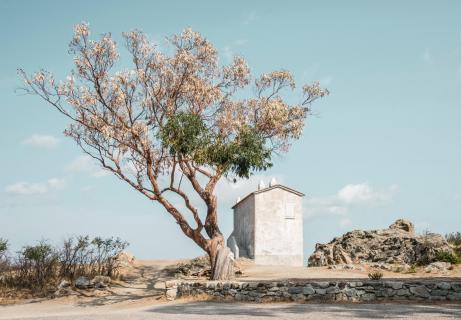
268, 189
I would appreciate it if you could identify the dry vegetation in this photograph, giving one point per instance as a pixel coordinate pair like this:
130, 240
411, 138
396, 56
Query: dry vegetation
38, 270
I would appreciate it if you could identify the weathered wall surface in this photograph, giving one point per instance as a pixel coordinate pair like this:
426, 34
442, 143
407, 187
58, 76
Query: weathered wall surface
338, 290
279, 228
244, 227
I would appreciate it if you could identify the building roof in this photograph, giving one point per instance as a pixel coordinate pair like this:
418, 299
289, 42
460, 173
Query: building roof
268, 189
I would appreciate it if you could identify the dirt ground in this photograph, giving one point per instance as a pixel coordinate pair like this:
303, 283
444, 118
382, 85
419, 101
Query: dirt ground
52, 310
257, 272
143, 284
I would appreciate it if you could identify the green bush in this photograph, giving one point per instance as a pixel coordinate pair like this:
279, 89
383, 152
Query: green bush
4, 260
446, 256
37, 266
3, 246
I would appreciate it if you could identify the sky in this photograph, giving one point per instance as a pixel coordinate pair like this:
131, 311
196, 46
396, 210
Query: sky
385, 144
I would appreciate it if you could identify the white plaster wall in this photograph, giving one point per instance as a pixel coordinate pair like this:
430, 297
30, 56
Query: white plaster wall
244, 226
278, 238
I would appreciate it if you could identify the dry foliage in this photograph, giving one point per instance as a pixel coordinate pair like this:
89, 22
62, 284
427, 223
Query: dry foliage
176, 118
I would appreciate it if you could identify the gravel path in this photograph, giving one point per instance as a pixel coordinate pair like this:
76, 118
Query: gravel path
223, 311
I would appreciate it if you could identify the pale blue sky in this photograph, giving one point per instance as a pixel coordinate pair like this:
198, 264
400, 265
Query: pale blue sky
385, 144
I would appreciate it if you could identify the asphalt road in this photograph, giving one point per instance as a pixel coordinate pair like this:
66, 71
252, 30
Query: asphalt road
223, 311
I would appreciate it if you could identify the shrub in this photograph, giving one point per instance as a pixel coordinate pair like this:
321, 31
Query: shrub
74, 257
454, 238
4, 259
412, 269
106, 253
42, 266
446, 256
37, 266
81, 256
375, 275
3, 246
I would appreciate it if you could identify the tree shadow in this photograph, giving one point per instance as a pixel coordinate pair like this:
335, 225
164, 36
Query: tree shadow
365, 311
140, 284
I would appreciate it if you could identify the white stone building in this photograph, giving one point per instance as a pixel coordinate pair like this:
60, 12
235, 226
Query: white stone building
268, 226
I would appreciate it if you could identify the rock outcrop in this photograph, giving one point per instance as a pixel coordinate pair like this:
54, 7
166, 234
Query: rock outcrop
398, 244
125, 259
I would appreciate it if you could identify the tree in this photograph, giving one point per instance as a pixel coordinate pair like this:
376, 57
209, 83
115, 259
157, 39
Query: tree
175, 118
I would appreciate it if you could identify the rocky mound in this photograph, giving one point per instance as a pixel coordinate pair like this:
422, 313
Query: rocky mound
398, 244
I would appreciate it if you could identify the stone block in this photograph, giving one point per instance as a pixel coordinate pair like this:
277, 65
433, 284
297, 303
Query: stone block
295, 290
307, 290
443, 285
420, 291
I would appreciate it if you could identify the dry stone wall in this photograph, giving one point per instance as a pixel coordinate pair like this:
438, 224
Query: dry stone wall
303, 291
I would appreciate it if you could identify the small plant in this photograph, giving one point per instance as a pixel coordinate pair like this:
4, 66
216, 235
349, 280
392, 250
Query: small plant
375, 275
454, 238
3, 246
4, 259
446, 256
412, 269
399, 269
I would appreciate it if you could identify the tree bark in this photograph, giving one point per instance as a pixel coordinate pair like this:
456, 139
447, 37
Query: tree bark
221, 260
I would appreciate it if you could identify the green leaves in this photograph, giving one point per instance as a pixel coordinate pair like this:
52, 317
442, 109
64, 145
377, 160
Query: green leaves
38, 253
3, 245
186, 135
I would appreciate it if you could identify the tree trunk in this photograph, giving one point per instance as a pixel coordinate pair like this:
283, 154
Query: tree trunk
221, 259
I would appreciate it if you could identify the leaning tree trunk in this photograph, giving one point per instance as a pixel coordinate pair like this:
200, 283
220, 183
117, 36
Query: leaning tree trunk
222, 261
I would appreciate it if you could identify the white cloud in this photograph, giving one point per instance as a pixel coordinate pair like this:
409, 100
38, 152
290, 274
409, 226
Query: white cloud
345, 223
228, 54
41, 140
86, 164
87, 188
55, 183
422, 226
228, 191
363, 193
250, 18
29, 188
427, 56
326, 80
351, 195
240, 42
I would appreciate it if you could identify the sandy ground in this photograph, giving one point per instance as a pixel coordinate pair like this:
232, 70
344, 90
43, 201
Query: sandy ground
257, 272
223, 311
140, 296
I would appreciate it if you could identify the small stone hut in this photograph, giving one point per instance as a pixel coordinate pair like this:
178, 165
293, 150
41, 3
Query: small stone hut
268, 226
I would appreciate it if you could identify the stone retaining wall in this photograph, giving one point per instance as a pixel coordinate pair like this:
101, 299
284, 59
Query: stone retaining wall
336, 290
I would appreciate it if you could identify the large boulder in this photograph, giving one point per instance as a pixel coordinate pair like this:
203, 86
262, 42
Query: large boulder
397, 244
101, 282
404, 225
83, 283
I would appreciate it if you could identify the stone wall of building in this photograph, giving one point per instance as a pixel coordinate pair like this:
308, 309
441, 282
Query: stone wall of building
244, 227
304, 291
278, 228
